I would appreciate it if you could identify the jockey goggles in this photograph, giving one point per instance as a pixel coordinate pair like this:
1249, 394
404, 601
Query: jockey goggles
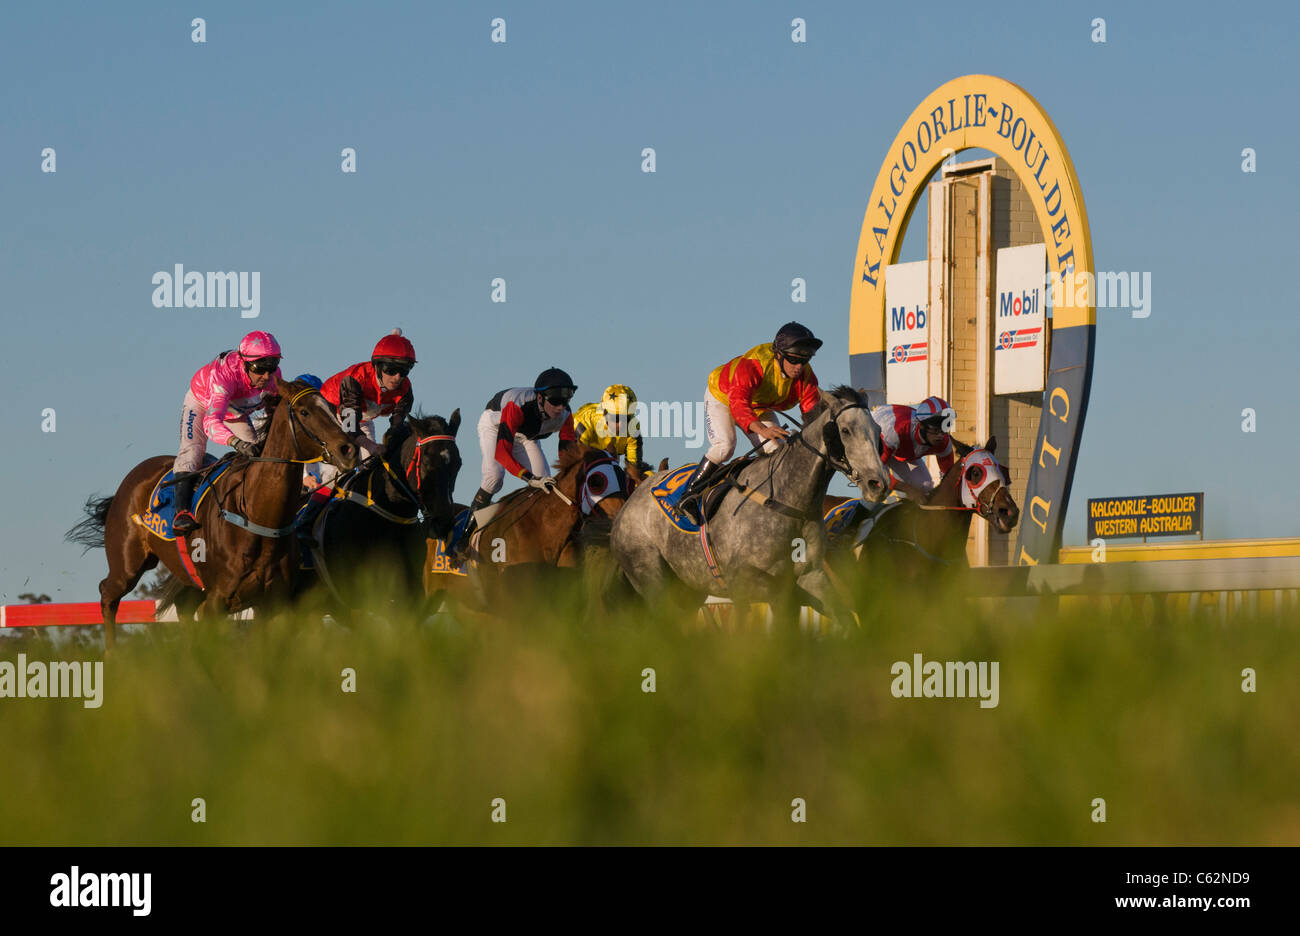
399, 370
558, 397
264, 365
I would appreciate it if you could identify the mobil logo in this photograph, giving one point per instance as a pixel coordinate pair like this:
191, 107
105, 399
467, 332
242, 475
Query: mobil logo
1015, 304
905, 319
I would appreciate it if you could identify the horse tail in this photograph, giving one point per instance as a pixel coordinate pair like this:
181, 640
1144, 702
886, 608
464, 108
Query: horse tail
171, 587
89, 532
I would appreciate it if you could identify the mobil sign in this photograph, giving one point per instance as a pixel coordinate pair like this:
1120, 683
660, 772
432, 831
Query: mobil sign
907, 332
1020, 325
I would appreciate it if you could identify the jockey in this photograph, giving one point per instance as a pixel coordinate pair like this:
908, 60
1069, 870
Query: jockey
609, 425
512, 424
908, 435
223, 394
378, 387
747, 391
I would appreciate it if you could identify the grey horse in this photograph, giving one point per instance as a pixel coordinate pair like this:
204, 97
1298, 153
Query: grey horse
770, 552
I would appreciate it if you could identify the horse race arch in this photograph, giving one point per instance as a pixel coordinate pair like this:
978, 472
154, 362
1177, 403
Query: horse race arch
985, 112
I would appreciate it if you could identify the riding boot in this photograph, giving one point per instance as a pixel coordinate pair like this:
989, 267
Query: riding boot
481, 499
691, 503
184, 520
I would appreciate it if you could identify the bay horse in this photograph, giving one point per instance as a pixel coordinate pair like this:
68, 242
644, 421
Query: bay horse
380, 515
764, 547
246, 554
912, 542
533, 530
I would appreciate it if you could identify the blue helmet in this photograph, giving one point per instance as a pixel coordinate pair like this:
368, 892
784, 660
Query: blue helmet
311, 379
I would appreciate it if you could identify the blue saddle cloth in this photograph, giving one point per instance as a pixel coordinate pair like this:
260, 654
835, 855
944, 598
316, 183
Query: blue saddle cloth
157, 519
668, 491
839, 518
442, 561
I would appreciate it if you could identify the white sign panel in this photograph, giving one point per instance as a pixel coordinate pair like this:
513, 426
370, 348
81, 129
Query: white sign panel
1020, 322
907, 332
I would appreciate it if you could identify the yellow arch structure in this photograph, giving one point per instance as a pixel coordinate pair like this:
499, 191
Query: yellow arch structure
985, 112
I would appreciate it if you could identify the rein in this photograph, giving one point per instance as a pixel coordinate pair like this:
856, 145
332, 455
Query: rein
770, 501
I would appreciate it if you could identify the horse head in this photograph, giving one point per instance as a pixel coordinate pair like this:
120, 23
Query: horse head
592, 480
850, 439
429, 458
978, 482
303, 426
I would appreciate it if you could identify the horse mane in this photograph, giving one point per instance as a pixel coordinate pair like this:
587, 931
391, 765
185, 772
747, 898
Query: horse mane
842, 392
570, 455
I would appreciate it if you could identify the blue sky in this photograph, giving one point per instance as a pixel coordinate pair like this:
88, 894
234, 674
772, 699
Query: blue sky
522, 161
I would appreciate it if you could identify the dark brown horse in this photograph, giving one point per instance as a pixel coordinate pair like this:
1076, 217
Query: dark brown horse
236, 567
913, 541
533, 528
382, 514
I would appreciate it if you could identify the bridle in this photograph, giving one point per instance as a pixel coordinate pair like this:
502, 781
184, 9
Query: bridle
293, 435
417, 456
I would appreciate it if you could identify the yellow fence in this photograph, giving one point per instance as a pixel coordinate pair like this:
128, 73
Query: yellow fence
1224, 604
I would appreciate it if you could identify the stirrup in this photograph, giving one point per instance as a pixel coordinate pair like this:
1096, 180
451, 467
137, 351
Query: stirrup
179, 524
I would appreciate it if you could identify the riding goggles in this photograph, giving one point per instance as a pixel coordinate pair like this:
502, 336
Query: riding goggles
398, 370
264, 365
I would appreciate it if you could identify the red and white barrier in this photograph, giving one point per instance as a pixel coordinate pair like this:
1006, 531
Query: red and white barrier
78, 613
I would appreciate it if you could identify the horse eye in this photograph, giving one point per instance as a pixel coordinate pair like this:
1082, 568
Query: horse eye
302, 412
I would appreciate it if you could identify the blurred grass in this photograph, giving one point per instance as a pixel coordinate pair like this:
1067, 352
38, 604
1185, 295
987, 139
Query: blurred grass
547, 712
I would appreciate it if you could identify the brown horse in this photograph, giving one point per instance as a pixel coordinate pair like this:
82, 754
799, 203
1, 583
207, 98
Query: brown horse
236, 567
913, 541
533, 528
376, 517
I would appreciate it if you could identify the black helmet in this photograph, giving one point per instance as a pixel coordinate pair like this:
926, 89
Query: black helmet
796, 339
554, 379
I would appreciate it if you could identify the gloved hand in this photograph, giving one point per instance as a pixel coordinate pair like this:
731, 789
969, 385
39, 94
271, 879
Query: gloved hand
546, 484
244, 447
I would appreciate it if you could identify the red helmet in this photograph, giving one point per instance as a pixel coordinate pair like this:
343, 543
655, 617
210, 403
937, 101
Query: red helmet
393, 347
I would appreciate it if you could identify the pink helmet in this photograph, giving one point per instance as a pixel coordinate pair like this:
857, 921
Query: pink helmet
259, 344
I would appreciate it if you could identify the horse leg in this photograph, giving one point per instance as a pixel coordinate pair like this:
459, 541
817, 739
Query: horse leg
126, 566
819, 585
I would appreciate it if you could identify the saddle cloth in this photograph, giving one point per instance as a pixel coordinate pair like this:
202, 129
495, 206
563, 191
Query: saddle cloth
160, 513
441, 561
667, 491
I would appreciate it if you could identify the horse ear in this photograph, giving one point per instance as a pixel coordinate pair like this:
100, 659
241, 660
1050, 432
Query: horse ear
991, 446
453, 424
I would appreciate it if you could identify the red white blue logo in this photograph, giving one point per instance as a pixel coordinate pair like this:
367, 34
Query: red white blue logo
907, 353
1014, 338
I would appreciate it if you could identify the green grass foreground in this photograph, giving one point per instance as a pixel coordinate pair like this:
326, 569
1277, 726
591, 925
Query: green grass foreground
548, 713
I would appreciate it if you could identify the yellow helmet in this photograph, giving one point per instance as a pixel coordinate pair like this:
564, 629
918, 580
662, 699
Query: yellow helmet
619, 400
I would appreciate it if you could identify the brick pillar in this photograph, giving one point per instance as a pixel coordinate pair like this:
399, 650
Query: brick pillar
1013, 418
